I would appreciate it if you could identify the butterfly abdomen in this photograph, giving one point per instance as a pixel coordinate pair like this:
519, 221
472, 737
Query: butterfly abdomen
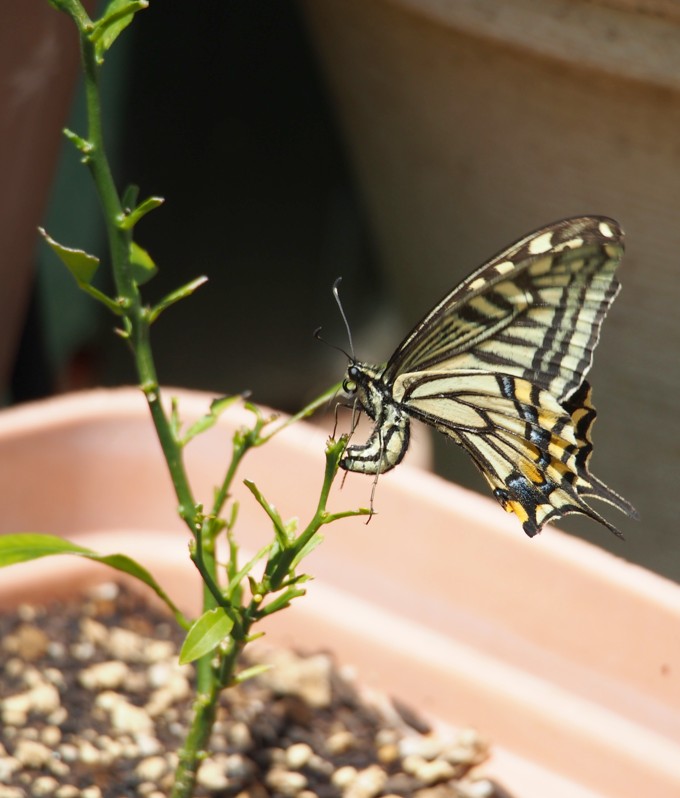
389, 440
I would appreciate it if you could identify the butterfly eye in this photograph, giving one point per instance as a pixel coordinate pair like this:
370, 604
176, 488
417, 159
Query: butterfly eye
349, 386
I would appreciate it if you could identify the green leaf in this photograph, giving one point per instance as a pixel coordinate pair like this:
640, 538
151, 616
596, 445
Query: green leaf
84, 146
217, 407
307, 549
117, 307
330, 518
251, 673
29, 546
116, 18
129, 197
236, 577
281, 602
130, 219
206, 633
282, 533
81, 264
143, 267
175, 296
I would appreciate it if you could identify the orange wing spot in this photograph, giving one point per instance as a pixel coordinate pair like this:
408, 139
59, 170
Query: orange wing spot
531, 472
516, 508
562, 468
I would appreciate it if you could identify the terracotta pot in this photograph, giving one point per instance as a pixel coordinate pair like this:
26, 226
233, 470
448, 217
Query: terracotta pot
565, 657
469, 124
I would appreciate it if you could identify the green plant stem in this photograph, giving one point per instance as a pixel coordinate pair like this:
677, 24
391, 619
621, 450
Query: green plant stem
137, 327
221, 675
172, 451
192, 752
203, 557
230, 657
242, 445
97, 162
119, 238
217, 669
321, 517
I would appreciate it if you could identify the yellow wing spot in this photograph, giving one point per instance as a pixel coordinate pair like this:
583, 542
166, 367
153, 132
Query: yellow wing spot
484, 307
562, 469
505, 267
517, 509
548, 418
478, 283
606, 230
542, 266
572, 243
558, 450
542, 243
523, 391
531, 472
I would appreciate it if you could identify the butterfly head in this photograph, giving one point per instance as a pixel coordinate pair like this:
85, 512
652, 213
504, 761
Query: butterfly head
362, 383
353, 379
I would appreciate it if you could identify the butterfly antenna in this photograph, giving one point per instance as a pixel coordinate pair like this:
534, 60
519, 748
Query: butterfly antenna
344, 317
317, 335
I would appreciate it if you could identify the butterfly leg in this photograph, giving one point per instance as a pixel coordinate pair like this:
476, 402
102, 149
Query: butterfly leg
384, 449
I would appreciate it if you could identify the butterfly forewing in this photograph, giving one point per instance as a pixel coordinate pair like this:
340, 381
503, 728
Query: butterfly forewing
499, 366
535, 310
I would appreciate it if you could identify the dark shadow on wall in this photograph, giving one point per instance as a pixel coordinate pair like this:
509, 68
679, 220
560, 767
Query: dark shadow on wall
228, 119
220, 108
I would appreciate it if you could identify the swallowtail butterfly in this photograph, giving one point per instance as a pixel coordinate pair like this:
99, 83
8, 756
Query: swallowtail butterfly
499, 365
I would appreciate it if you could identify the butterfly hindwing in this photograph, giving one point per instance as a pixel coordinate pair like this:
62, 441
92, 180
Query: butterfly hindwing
533, 452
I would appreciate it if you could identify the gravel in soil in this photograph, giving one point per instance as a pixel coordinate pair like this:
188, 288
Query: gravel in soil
94, 704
